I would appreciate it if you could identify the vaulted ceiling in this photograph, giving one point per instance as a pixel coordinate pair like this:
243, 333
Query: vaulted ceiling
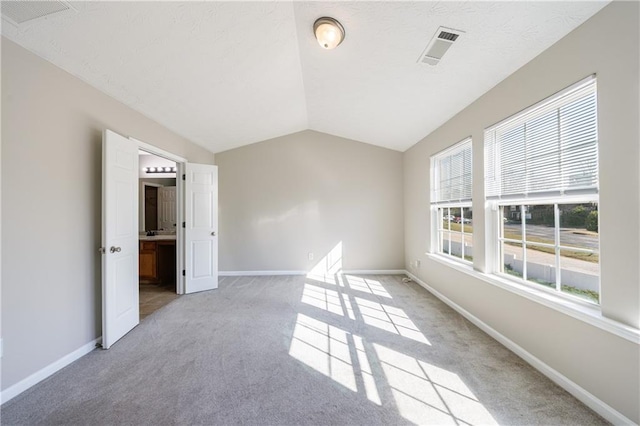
227, 74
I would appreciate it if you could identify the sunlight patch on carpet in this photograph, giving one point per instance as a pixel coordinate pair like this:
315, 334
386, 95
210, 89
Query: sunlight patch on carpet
389, 318
322, 298
427, 394
367, 285
324, 348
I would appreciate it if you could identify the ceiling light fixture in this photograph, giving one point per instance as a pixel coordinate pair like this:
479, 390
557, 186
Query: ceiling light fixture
329, 32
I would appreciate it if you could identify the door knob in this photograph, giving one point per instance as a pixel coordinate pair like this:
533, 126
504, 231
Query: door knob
115, 249
213, 233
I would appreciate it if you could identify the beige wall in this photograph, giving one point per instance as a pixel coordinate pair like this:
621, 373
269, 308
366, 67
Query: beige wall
51, 196
602, 363
304, 193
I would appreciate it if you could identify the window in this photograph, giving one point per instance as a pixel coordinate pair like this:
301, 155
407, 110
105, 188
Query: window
451, 201
541, 173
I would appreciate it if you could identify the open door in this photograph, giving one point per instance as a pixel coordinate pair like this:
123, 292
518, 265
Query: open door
201, 227
167, 207
120, 309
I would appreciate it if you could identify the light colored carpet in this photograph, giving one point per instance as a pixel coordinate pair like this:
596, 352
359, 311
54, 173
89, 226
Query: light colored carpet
342, 350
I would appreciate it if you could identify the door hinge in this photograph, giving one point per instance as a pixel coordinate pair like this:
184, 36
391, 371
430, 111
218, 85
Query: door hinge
184, 177
184, 273
184, 224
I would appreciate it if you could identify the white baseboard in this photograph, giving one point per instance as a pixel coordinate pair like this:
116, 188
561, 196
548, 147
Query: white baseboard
375, 271
258, 273
15, 390
588, 399
266, 273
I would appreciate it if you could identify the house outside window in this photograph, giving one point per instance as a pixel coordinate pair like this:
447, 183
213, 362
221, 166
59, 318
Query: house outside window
541, 181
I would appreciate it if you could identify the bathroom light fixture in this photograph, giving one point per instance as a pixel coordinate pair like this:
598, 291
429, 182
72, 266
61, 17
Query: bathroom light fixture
329, 32
159, 169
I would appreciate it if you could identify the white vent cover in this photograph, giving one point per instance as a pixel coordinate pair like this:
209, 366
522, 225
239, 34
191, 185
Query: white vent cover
439, 44
19, 12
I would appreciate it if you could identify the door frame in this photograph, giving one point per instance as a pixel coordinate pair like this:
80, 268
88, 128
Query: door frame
180, 162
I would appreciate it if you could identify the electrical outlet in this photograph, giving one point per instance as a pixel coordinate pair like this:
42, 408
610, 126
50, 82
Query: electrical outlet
417, 263
310, 256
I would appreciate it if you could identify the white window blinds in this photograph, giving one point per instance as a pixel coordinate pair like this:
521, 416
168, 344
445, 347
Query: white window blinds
453, 174
549, 149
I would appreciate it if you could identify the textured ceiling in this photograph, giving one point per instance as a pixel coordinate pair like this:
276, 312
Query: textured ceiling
226, 74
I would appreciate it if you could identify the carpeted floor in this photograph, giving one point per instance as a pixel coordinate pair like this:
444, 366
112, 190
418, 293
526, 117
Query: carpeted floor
344, 350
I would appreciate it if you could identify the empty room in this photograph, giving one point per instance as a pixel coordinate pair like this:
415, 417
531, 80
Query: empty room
310, 213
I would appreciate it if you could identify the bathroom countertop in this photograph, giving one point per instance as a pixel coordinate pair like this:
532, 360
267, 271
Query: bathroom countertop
165, 237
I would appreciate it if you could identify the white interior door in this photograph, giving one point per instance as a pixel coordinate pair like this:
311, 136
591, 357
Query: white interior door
120, 310
201, 227
167, 208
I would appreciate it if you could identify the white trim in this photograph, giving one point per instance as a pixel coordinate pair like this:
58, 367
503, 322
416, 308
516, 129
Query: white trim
157, 151
268, 273
453, 149
585, 312
15, 390
180, 231
544, 103
258, 273
538, 200
591, 401
374, 271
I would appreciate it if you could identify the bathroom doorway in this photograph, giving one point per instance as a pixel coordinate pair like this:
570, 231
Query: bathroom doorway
195, 241
157, 233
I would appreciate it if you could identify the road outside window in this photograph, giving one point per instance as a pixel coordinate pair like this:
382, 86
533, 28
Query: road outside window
554, 246
455, 232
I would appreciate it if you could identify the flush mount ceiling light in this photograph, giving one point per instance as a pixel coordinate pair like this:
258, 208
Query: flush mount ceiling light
329, 32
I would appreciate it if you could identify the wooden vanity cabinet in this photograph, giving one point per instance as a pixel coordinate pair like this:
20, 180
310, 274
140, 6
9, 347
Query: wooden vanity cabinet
157, 261
148, 261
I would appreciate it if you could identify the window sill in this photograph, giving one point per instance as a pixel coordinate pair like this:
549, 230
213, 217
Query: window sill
586, 312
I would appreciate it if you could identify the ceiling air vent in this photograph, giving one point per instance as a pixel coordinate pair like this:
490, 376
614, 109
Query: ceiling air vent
438, 46
19, 12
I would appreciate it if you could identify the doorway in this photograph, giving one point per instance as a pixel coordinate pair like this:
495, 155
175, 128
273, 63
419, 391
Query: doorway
157, 264
196, 240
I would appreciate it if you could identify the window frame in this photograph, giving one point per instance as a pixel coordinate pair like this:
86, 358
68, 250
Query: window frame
441, 231
436, 205
561, 196
498, 266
